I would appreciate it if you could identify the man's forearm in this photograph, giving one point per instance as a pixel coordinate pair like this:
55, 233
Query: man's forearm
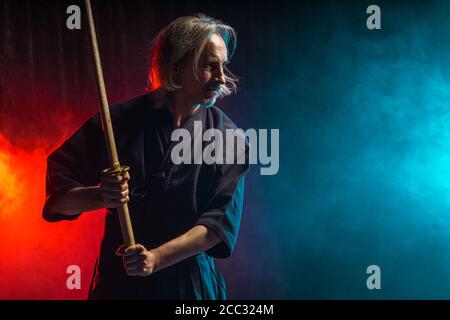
196, 240
76, 201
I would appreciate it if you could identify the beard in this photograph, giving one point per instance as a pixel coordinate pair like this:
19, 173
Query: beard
208, 102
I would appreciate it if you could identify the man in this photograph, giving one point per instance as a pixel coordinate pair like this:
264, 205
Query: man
183, 215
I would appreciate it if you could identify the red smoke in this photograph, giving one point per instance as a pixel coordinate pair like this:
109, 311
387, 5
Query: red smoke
35, 254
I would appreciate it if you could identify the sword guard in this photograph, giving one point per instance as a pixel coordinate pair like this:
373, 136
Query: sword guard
115, 171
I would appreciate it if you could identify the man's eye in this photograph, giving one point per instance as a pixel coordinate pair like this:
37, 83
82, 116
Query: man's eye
207, 66
213, 65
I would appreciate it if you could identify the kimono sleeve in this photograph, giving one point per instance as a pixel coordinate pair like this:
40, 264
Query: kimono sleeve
76, 163
224, 209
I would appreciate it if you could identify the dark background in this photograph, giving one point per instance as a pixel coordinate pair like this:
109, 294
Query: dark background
364, 141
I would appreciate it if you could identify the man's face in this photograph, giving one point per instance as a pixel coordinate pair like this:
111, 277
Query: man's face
204, 89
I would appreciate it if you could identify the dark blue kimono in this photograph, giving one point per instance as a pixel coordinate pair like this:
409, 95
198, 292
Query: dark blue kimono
166, 200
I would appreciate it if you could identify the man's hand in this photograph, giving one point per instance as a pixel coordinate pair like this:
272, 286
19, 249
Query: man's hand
137, 260
114, 189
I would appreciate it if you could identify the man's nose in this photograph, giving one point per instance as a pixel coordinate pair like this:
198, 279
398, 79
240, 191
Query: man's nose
220, 77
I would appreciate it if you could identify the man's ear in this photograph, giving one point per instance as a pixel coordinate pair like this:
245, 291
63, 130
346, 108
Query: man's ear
176, 70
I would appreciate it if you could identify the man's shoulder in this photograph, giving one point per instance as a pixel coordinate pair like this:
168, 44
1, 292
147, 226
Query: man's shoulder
223, 122
127, 110
130, 107
221, 119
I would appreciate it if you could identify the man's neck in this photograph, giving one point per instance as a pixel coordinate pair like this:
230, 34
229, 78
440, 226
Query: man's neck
181, 109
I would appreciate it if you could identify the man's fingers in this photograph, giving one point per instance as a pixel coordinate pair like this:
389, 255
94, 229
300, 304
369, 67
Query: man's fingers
126, 175
129, 260
112, 178
128, 251
115, 195
119, 250
131, 250
135, 265
137, 248
142, 272
116, 179
133, 269
110, 187
134, 260
136, 257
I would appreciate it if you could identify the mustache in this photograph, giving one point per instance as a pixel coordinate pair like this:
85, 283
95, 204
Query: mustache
215, 88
